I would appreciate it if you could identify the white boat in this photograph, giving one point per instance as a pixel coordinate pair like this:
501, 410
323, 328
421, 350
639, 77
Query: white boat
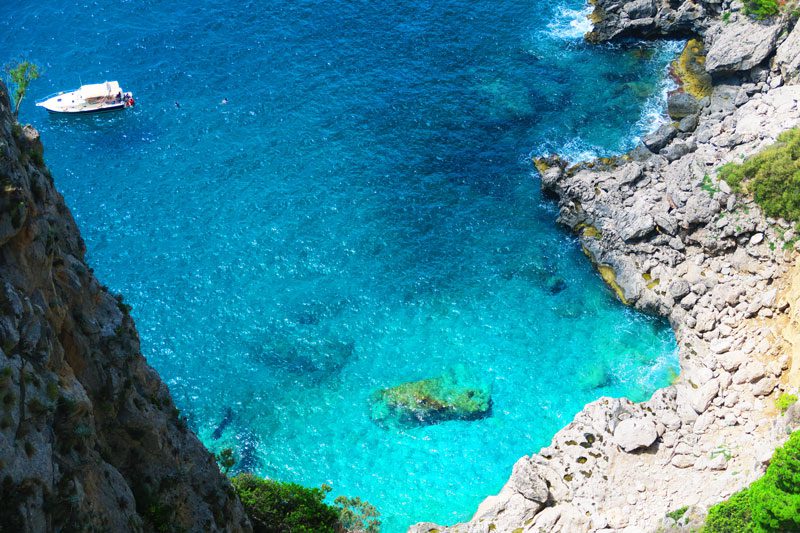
92, 98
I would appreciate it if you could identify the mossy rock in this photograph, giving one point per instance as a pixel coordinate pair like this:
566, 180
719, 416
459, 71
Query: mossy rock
589, 231
597, 15
430, 401
690, 72
610, 277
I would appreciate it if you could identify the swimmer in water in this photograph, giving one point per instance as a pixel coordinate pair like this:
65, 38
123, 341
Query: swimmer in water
224, 101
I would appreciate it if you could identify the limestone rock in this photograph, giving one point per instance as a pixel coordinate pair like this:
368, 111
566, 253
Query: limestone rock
660, 138
634, 433
787, 58
701, 398
635, 225
682, 461
740, 46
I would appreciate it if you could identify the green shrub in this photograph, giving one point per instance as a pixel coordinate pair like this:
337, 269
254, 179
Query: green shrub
785, 401
772, 176
761, 9
731, 516
677, 514
20, 75
278, 507
770, 504
226, 460
775, 498
356, 514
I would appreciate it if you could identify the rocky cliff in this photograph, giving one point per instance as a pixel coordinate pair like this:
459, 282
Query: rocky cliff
672, 239
89, 436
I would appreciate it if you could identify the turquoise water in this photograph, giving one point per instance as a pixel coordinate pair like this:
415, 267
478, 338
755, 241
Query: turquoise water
362, 212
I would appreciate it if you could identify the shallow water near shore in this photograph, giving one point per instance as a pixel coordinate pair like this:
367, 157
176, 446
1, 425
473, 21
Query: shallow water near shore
361, 213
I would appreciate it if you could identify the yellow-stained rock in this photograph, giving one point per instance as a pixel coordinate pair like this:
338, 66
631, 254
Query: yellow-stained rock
689, 71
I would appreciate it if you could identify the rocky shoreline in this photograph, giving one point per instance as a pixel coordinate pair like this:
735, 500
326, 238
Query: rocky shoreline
672, 239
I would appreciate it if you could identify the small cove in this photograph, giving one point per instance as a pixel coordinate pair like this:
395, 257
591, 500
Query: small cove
361, 213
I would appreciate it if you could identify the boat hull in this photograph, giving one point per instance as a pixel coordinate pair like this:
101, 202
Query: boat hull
86, 111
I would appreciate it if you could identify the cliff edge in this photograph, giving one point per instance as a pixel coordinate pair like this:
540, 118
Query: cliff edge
90, 438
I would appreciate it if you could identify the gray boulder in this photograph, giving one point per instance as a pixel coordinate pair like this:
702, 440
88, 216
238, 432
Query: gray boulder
660, 138
688, 123
639, 9
681, 105
740, 46
635, 225
677, 150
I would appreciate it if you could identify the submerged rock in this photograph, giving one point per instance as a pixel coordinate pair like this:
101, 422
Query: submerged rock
429, 401
311, 356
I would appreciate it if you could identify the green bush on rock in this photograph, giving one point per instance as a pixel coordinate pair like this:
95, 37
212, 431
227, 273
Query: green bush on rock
357, 515
761, 9
772, 176
280, 507
731, 516
770, 504
277, 507
785, 401
775, 498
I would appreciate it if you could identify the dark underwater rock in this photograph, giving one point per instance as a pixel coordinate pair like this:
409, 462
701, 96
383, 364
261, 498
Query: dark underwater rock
226, 420
314, 356
555, 284
429, 401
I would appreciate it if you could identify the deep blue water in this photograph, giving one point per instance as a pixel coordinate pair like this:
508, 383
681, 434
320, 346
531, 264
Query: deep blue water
362, 212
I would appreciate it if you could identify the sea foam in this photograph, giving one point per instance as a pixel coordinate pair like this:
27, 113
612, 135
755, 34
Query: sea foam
570, 24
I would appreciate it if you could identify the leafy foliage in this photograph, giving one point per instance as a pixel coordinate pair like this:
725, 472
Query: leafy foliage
357, 515
21, 76
770, 504
785, 401
277, 507
708, 186
731, 516
775, 498
761, 9
772, 176
226, 460
677, 514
